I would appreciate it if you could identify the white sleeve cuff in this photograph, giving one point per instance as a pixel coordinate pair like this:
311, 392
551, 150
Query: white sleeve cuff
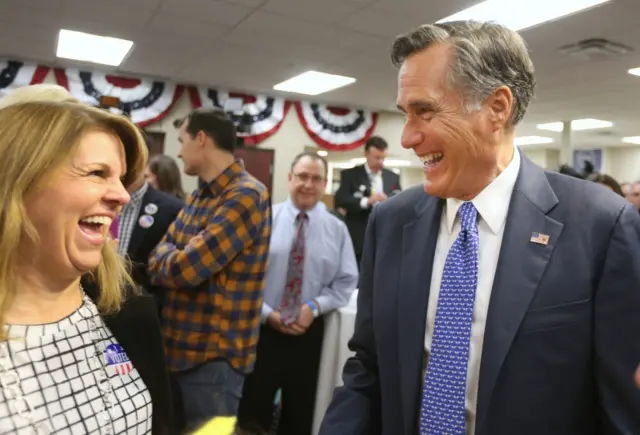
364, 203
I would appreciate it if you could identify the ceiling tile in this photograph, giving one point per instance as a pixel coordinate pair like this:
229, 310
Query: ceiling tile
195, 28
324, 12
427, 12
105, 12
223, 13
380, 22
250, 3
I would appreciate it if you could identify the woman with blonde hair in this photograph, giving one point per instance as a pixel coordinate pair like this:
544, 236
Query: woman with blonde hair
73, 362
39, 92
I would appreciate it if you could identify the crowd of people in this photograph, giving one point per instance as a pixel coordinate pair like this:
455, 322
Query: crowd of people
496, 299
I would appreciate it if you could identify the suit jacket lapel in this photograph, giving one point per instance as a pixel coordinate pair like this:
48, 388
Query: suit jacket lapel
520, 268
138, 233
419, 243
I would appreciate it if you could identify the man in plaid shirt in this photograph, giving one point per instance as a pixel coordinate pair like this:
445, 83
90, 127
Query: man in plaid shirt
213, 261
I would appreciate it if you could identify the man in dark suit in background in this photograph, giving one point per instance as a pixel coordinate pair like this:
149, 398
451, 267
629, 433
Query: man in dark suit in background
363, 187
504, 300
141, 225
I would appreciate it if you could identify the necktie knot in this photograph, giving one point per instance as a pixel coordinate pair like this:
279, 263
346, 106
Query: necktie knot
301, 218
468, 216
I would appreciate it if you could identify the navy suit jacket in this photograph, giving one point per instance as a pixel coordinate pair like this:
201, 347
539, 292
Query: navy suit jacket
145, 240
562, 336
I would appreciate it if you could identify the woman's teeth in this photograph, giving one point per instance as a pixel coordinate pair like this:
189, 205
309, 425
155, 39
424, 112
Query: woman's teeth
97, 220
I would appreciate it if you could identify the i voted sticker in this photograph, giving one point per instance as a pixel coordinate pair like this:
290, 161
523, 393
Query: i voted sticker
151, 208
145, 221
118, 359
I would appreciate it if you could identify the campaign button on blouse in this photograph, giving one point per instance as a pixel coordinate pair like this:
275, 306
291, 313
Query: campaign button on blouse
118, 359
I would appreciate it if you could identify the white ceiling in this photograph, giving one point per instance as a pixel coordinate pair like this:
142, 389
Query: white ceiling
254, 44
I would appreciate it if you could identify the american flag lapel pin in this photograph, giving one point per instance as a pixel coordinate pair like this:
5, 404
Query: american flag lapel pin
539, 238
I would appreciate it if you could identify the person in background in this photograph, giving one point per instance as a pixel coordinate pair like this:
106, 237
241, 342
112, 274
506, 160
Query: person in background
634, 194
626, 189
492, 301
142, 223
213, 261
163, 174
80, 352
363, 187
570, 171
609, 182
312, 271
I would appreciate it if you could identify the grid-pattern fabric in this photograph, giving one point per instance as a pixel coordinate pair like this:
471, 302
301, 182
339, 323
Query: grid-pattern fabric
129, 217
213, 260
56, 369
443, 400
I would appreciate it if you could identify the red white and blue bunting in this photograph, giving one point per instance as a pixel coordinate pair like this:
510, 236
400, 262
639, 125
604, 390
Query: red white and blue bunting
15, 74
262, 115
147, 100
336, 128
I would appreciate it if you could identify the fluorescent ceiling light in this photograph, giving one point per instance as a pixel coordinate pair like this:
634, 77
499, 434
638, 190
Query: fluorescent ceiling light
322, 153
92, 48
313, 83
634, 71
577, 124
632, 139
532, 140
519, 15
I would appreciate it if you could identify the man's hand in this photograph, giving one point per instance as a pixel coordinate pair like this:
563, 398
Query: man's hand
376, 198
305, 318
638, 377
275, 322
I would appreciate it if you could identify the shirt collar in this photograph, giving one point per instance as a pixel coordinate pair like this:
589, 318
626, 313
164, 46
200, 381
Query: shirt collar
217, 185
139, 194
368, 169
493, 201
311, 214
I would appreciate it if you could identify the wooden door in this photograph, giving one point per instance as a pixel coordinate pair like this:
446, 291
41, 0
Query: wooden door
155, 142
259, 163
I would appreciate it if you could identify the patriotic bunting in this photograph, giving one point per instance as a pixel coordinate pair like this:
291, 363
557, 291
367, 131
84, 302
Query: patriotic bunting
261, 115
147, 100
336, 128
15, 74
258, 116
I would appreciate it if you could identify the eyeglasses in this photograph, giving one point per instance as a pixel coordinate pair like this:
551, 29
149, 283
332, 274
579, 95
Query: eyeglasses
304, 177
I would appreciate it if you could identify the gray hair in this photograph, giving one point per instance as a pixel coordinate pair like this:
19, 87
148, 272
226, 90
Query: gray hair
486, 56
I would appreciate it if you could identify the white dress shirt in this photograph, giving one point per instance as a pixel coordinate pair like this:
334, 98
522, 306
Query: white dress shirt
330, 268
492, 205
376, 185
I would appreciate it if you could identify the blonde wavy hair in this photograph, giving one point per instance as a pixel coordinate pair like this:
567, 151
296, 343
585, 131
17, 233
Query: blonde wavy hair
39, 92
37, 139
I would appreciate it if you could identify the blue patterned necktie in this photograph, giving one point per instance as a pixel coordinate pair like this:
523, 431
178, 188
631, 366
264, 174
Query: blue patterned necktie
443, 397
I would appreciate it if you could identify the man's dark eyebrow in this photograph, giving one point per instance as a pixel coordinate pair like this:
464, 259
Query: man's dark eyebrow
420, 105
425, 105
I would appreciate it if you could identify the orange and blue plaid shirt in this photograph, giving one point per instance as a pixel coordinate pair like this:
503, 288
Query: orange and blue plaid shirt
213, 261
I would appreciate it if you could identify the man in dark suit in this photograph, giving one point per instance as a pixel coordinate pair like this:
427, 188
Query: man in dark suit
141, 225
505, 299
363, 187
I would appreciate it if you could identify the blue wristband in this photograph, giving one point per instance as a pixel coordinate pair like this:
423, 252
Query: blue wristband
314, 308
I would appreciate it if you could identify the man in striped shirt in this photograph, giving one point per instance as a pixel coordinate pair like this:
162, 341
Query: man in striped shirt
213, 261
